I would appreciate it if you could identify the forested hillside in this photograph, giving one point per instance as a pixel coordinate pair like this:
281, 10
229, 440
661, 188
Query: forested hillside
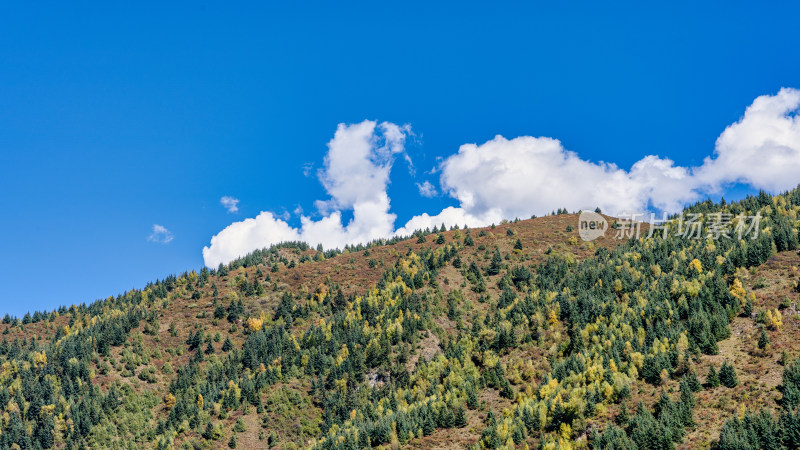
511, 336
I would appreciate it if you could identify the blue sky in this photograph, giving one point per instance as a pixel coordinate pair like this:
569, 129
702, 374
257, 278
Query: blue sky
115, 118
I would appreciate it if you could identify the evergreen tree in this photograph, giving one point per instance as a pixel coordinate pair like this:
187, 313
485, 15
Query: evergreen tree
210, 432
428, 424
460, 420
687, 403
612, 438
496, 264
727, 375
472, 397
285, 308
227, 345
748, 308
694, 383
712, 379
791, 386
763, 340
339, 301
623, 417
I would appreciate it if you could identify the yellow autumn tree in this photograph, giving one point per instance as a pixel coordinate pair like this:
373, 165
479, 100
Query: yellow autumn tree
774, 319
696, 266
737, 290
170, 400
254, 323
39, 359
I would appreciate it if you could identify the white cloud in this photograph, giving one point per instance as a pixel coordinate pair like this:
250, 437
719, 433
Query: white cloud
762, 149
508, 178
160, 235
504, 179
449, 216
230, 203
426, 189
355, 174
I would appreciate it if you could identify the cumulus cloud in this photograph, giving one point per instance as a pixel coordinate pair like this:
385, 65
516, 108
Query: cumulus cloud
355, 175
508, 178
230, 203
762, 149
504, 179
426, 189
160, 235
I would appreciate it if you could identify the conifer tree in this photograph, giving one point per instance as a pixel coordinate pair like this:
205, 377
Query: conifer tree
496, 264
460, 420
227, 345
694, 383
763, 340
687, 403
712, 379
727, 375
623, 417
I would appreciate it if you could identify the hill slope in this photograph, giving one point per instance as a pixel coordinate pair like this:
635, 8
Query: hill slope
519, 334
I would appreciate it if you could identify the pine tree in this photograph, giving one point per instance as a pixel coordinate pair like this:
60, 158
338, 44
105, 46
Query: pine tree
748, 308
227, 345
460, 417
694, 383
428, 425
791, 386
209, 432
518, 245
219, 312
613, 437
496, 264
518, 435
472, 397
232, 442
339, 301
623, 417
712, 379
687, 403
446, 418
727, 375
763, 340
